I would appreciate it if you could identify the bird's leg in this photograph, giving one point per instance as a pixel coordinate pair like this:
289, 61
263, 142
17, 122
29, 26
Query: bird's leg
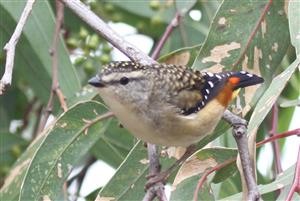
162, 176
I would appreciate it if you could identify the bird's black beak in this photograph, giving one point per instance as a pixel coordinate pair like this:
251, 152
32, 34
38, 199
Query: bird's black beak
96, 82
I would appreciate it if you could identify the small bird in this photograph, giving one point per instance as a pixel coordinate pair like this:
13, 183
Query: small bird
168, 104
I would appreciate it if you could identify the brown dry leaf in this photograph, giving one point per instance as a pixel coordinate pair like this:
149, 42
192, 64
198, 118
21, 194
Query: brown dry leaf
179, 59
98, 198
193, 167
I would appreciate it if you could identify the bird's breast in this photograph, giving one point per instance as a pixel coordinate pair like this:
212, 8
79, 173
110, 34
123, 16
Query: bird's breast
163, 126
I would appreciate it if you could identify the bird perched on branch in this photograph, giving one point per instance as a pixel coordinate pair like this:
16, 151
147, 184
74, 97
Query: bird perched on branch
168, 104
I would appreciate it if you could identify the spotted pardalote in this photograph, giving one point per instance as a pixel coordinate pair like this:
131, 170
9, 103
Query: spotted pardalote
168, 104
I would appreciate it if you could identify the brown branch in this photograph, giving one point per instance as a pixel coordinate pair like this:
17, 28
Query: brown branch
10, 47
275, 144
279, 136
174, 23
240, 134
157, 190
99, 118
55, 89
206, 174
104, 30
229, 161
258, 23
296, 183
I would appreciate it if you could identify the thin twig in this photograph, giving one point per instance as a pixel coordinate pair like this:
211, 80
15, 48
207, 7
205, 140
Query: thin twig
10, 47
174, 23
296, 183
278, 136
275, 144
258, 23
110, 35
99, 118
205, 175
240, 134
55, 89
229, 161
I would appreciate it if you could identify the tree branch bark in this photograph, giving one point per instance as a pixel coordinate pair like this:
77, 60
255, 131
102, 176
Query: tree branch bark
10, 47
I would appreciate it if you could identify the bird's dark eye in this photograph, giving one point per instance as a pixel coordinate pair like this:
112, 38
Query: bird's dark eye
124, 80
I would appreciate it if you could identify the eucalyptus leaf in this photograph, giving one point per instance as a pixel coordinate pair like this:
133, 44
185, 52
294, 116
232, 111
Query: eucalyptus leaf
191, 171
42, 169
282, 180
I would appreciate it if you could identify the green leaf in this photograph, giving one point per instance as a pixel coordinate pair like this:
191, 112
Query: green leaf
281, 181
184, 6
42, 169
192, 170
231, 30
290, 103
32, 54
114, 146
129, 180
294, 24
266, 102
11, 147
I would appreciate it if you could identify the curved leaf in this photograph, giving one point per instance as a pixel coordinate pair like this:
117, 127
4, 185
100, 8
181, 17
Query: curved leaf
45, 165
231, 31
191, 171
294, 24
282, 180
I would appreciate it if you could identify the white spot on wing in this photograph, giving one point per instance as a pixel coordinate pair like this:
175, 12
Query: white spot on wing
210, 74
211, 84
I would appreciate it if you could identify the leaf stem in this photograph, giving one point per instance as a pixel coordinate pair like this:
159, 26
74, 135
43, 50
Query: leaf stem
275, 144
296, 184
174, 23
278, 136
205, 175
55, 89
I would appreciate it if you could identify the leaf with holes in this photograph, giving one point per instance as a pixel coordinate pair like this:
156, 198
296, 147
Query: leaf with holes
233, 42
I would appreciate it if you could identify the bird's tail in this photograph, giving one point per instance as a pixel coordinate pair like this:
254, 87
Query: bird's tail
243, 79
